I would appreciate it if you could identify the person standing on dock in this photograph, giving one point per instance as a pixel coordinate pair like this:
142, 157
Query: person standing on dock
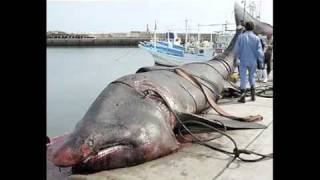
240, 28
262, 71
268, 53
248, 49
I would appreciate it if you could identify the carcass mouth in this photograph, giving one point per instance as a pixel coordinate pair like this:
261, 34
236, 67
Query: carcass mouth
106, 150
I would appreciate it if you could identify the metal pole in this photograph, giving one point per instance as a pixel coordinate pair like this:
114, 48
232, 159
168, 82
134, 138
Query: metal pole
244, 10
199, 33
259, 10
155, 34
222, 29
186, 39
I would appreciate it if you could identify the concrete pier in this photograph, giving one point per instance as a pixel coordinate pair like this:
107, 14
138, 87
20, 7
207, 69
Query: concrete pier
123, 41
111, 39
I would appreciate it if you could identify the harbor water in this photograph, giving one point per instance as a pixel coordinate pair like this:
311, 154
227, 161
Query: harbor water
77, 75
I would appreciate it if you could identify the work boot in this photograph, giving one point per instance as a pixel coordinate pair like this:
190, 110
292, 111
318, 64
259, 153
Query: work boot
259, 75
253, 93
242, 96
265, 76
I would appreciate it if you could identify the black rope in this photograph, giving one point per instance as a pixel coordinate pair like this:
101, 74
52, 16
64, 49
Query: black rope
194, 101
228, 65
225, 64
213, 88
226, 79
206, 140
236, 151
262, 92
208, 64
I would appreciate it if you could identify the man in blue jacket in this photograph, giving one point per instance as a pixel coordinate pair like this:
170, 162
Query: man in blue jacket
248, 49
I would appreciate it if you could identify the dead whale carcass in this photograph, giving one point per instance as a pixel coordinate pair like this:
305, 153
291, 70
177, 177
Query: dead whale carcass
133, 119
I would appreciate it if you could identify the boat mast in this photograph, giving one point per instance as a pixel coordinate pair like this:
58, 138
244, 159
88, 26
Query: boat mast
198, 34
155, 34
186, 39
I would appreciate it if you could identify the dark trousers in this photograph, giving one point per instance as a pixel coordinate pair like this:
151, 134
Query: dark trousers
267, 61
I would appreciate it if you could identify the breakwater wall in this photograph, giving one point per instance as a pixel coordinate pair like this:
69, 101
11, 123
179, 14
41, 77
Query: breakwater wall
112, 39
125, 41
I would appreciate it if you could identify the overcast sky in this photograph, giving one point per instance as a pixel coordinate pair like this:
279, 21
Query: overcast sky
102, 16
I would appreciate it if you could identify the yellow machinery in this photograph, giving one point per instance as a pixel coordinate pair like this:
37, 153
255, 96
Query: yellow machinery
234, 77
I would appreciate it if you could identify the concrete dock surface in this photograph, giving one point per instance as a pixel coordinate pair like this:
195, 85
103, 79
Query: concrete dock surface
196, 162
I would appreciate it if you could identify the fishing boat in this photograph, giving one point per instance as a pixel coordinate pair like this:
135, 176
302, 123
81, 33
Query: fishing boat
221, 42
171, 53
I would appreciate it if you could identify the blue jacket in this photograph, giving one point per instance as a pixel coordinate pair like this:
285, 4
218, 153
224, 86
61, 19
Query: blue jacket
248, 49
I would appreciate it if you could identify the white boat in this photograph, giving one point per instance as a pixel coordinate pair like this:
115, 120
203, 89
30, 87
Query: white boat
172, 53
170, 60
